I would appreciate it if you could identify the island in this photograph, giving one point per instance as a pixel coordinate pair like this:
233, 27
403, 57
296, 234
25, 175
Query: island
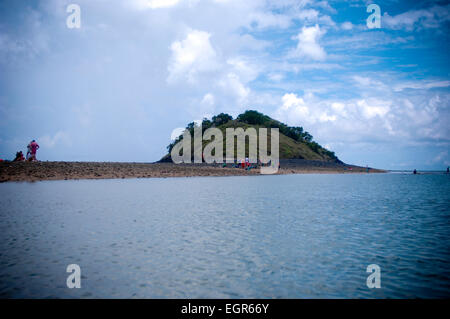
298, 153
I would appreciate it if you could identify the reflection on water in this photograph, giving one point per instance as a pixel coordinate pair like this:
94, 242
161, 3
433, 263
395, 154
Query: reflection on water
286, 236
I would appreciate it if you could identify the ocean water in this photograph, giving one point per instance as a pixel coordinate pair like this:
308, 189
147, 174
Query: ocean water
285, 236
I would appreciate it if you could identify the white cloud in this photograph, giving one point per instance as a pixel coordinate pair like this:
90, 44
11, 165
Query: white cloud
347, 25
433, 17
421, 85
224, 76
368, 120
373, 107
204, 108
297, 67
364, 81
294, 104
243, 68
308, 46
233, 85
31, 40
268, 19
308, 14
368, 82
192, 56
176, 132
324, 117
275, 77
313, 16
295, 109
208, 99
49, 141
360, 39
339, 109
154, 4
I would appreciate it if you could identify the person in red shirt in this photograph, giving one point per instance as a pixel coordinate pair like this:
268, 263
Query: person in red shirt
33, 146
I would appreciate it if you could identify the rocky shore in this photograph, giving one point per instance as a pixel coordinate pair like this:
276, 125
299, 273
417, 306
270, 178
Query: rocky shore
38, 171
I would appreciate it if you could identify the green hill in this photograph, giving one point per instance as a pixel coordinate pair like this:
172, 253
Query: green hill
294, 143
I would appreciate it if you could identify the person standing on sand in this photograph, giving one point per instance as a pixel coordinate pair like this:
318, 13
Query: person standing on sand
33, 146
28, 151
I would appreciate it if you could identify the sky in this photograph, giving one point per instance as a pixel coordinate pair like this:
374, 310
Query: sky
115, 88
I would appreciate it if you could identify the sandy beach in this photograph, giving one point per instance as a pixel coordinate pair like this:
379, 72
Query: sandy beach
38, 171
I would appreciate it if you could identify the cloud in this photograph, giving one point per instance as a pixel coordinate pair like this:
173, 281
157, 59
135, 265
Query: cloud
294, 108
233, 85
154, 4
28, 40
308, 46
432, 17
375, 108
294, 105
192, 56
49, 141
243, 68
364, 40
208, 99
367, 82
347, 25
206, 106
275, 77
368, 119
176, 132
261, 20
421, 85
308, 15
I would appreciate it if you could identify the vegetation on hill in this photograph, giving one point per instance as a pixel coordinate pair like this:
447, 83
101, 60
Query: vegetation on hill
294, 141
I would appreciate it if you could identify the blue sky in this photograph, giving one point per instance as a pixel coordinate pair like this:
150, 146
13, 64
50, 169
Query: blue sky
116, 88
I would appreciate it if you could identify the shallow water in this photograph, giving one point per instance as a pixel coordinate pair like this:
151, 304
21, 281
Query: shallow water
284, 236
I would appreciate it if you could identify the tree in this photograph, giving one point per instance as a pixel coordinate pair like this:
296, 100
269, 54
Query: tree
206, 124
254, 118
307, 137
220, 119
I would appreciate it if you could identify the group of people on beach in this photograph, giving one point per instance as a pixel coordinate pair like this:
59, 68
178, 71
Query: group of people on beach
32, 148
247, 165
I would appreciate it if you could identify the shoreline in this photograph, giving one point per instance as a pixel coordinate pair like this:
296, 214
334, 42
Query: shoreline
43, 171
